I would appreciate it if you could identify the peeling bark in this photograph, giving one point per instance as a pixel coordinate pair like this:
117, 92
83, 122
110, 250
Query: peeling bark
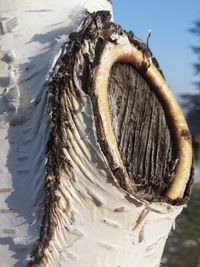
115, 175
87, 191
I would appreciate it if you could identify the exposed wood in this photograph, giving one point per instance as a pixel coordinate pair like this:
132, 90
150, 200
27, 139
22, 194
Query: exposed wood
85, 187
142, 131
89, 209
129, 49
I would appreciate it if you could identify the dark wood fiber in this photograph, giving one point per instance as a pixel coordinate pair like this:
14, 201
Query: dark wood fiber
140, 126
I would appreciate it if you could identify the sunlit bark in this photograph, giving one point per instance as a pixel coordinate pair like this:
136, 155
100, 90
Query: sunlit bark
69, 194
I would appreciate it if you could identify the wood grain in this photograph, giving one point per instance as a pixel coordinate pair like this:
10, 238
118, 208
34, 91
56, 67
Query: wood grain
141, 129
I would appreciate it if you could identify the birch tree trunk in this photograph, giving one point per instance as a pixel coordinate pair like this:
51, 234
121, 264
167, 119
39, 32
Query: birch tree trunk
95, 154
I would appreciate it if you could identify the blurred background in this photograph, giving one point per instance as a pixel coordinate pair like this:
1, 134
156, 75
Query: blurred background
175, 42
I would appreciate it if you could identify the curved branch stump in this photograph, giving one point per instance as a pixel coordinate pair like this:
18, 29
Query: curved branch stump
119, 154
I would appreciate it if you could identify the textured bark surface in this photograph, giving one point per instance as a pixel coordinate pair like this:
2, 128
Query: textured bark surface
141, 129
66, 197
31, 34
87, 202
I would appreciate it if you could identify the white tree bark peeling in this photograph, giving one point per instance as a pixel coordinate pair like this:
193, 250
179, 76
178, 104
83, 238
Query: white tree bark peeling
31, 34
98, 224
94, 222
79, 215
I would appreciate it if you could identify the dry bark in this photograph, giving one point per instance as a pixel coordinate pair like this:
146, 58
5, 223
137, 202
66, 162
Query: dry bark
95, 153
78, 153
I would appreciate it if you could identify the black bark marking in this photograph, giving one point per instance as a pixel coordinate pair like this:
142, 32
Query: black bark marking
186, 135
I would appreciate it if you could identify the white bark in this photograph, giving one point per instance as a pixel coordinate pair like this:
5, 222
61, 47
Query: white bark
97, 224
31, 33
100, 224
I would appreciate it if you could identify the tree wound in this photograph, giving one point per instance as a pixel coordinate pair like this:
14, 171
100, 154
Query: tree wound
141, 130
137, 117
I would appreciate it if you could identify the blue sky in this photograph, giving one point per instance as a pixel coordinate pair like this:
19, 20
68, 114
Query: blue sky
170, 40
